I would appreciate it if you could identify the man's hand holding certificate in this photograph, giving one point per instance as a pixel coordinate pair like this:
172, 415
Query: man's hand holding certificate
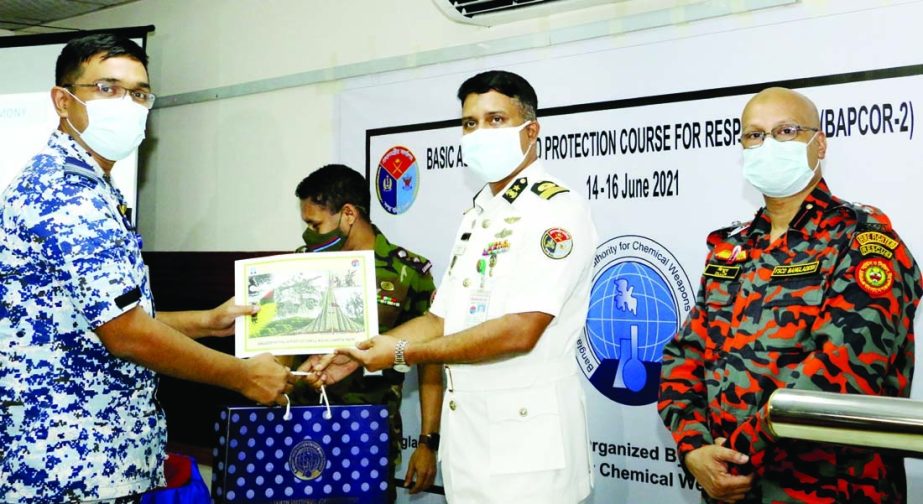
308, 303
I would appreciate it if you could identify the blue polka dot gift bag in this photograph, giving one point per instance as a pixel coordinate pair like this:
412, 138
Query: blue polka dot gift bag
265, 455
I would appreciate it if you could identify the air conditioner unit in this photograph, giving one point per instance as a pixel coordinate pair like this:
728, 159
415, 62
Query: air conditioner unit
494, 12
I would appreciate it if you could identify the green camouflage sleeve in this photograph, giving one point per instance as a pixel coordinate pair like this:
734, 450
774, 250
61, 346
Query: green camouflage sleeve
420, 295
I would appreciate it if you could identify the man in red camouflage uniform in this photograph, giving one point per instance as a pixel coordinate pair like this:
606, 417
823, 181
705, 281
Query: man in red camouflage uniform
816, 294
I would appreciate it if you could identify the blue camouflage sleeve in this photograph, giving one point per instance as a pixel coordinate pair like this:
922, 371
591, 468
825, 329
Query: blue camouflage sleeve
89, 251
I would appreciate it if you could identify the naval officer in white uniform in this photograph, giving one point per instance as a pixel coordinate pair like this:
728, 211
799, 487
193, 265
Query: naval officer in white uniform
506, 316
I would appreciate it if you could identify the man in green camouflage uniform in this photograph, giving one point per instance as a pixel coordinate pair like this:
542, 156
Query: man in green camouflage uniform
334, 204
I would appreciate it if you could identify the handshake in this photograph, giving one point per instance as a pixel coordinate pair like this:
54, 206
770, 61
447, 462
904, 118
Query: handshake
266, 379
320, 370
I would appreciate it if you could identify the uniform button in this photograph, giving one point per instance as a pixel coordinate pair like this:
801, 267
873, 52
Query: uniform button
466, 283
452, 405
485, 224
523, 412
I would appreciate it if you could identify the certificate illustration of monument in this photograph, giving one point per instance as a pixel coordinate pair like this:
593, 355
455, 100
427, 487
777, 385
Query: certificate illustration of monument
309, 303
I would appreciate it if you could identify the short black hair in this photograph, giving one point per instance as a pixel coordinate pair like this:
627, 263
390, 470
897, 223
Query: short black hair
334, 185
80, 50
506, 83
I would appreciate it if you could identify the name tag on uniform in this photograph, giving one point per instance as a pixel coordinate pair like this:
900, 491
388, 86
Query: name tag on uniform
722, 271
790, 270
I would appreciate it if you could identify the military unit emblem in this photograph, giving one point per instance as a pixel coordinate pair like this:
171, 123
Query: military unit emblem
557, 243
875, 276
397, 180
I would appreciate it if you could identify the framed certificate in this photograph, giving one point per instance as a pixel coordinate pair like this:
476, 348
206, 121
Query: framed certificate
309, 303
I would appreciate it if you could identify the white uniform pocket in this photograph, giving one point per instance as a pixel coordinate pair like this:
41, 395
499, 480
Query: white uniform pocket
525, 431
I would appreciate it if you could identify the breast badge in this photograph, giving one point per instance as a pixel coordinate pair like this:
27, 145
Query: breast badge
731, 255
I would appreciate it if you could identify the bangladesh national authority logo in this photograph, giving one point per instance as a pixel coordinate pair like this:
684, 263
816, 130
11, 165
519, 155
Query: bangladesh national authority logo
397, 180
640, 296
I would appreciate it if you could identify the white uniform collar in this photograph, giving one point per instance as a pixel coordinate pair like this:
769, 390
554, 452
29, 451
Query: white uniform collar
485, 200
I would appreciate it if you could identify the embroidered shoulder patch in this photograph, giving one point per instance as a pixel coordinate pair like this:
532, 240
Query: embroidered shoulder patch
875, 276
876, 238
876, 249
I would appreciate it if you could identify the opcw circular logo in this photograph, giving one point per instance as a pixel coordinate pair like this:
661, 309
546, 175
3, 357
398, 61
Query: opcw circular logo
639, 297
307, 460
397, 180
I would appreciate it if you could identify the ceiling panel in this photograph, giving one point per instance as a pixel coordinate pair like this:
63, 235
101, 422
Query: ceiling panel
19, 14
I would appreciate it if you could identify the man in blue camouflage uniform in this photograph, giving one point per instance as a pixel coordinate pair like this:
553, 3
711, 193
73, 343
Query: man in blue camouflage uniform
79, 343
334, 204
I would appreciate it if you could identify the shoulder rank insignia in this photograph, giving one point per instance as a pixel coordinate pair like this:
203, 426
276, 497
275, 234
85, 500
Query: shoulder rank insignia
721, 271
547, 189
875, 276
421, 265
737, 227
717, 237
515, 190
874, 226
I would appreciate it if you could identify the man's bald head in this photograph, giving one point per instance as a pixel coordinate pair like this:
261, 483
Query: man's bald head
799, 107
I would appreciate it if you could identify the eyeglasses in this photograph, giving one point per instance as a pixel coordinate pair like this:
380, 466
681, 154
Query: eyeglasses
105, 90
781, 133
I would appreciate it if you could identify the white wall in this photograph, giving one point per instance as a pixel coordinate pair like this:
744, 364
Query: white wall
220, 175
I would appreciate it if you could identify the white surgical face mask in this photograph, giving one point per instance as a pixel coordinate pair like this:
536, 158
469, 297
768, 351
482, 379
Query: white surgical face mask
779, 169
493, 153
115, 126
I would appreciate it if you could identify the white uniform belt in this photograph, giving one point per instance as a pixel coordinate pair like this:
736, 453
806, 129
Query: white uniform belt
481, 377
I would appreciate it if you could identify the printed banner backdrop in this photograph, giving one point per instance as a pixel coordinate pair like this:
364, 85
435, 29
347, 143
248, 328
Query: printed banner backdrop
648, 134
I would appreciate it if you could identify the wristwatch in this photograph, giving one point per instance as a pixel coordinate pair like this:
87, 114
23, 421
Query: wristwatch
431, 440
400, 365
